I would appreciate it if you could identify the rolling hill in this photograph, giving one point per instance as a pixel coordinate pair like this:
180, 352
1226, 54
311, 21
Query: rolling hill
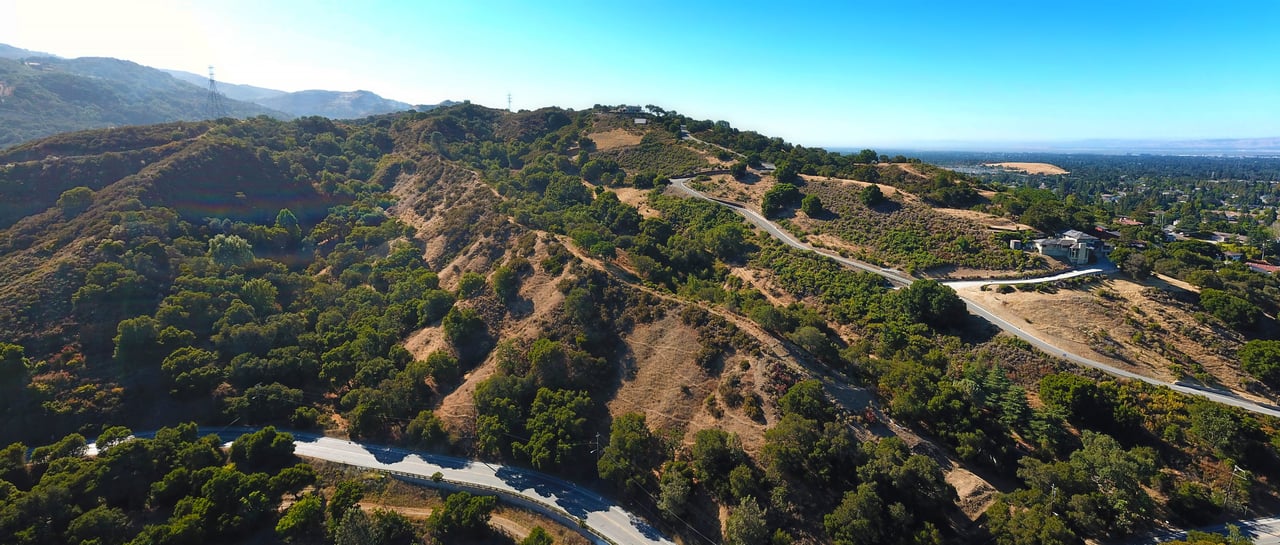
523, 287
41, 96
331, 104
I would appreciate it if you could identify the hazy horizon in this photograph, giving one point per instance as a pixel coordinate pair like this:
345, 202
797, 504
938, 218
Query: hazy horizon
830, 75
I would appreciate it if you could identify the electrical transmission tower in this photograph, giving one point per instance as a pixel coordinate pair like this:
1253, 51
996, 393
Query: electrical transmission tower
508, 102
217, 109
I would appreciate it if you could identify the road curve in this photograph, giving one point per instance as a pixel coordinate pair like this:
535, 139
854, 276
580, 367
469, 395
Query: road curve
1261, 531
898, 278
777, 232
571, 504
958, 284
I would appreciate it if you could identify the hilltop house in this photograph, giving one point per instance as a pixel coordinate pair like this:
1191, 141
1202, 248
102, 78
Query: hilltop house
1264, 268
1073, 246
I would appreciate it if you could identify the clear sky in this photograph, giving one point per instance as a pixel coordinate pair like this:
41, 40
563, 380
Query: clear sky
839, 73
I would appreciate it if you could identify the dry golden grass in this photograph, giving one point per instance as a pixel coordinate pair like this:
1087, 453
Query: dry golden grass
992, 221
1142, 327
616, 138
1030, 168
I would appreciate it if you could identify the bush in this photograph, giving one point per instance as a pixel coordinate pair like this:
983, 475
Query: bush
811, 205
1262, 360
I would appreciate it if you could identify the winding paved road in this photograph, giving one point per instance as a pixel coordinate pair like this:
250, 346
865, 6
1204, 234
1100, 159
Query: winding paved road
1262, 531
900, 279
565, 502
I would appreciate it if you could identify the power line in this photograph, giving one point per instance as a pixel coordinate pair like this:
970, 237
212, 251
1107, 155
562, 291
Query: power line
216, 107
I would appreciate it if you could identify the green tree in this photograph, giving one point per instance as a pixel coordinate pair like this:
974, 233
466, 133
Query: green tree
1038, 525
929, 302
230, 250
287, 221
557, 421
1261, 359
811, 205
265, 449
391, 528
470, 285
806, 399
746, 525
505, 283
260, 294
302, 522
13, 364
1236, 312
462, 326
631, 454
75, 200
137, 341
265, 403
353, 528
871, 196
290, 480
463, 516
101, 525
787, 172
193, 371
674, 489
859, 519
715, 453
435, 305
346, 497
426, 431
1216, 427
778, 196
537, 536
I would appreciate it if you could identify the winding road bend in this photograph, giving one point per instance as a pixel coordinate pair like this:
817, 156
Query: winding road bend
899, 279
572, 505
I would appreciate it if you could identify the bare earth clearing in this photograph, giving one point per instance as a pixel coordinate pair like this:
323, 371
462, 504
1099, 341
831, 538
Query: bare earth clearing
1030, 168
616, 138
638, 198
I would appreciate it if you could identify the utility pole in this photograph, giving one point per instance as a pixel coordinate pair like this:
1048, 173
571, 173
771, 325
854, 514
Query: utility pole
216, 107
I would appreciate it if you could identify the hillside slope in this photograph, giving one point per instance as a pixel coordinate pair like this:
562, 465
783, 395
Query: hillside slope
46, 95
504, 286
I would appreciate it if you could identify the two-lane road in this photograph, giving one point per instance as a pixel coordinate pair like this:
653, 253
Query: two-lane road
900, 279
572, 505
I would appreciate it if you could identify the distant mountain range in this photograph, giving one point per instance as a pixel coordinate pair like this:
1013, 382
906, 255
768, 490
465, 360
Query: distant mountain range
42, 94
333, 104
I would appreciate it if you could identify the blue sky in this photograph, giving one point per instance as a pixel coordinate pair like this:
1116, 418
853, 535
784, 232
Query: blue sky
851, 74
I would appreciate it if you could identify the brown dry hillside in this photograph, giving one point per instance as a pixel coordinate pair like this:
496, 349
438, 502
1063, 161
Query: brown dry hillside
455, 215
1151, 327
686, 366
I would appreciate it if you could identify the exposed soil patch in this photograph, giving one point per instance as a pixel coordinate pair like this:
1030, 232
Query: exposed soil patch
1030, 168
639, 198
616, 138
976, 494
